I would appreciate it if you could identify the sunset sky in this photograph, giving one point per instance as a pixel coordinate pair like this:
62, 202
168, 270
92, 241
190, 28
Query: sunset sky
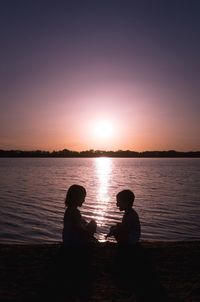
101, 74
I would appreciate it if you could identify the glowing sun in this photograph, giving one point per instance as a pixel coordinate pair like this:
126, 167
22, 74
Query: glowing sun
103, 129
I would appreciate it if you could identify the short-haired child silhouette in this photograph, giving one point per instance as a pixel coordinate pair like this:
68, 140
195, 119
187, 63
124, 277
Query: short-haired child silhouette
132, 267
76, 230
127, 232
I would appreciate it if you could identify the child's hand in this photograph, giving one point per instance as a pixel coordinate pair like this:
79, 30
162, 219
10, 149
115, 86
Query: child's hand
92, 226
112, 228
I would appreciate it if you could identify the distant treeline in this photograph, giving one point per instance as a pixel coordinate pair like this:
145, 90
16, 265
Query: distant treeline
97, 153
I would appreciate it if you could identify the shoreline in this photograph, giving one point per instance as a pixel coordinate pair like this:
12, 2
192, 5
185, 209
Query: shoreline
28, 270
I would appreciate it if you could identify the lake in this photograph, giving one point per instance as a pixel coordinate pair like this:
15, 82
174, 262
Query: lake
32, 193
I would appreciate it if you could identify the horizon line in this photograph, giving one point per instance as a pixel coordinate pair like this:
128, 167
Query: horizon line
96, 150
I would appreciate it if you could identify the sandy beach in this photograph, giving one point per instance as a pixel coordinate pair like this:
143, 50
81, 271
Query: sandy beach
37, 272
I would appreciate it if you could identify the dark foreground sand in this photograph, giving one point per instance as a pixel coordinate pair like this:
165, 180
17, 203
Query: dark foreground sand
168, 272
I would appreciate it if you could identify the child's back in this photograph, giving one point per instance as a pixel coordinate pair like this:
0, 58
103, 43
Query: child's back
131, 225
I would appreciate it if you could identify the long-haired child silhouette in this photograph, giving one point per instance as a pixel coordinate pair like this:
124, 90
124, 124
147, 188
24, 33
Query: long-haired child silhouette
76, 230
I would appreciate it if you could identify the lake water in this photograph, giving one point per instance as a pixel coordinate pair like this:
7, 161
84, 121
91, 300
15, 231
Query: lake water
32, 193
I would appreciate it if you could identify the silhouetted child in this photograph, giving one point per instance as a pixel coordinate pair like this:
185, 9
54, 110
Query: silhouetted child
78, 236
132, 267
128, 231
76, 230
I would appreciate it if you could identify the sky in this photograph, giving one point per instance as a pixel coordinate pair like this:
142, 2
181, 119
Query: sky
101, 74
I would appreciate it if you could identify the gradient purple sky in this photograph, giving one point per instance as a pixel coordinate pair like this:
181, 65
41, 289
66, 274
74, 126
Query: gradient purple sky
65, 65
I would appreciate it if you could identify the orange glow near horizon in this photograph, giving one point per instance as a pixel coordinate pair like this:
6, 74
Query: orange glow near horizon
109, 120
112, 121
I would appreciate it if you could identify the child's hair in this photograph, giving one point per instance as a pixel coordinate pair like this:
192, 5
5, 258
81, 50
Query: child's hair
126, 196
74, 193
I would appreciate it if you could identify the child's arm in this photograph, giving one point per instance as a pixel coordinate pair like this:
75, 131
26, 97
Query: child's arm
91, 227
113, 230
120, 231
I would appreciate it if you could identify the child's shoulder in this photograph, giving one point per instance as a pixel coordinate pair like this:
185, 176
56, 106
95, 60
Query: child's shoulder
130, 214
71, 212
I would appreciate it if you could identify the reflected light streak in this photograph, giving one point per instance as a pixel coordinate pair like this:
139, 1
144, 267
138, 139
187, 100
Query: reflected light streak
103, 171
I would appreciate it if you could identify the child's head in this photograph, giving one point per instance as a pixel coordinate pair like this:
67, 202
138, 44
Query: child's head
125, 199
75, 196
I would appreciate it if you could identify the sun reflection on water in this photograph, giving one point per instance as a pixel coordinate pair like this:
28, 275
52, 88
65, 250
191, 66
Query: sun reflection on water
103, 167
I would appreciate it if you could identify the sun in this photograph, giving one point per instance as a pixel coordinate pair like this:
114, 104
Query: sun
103, 129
